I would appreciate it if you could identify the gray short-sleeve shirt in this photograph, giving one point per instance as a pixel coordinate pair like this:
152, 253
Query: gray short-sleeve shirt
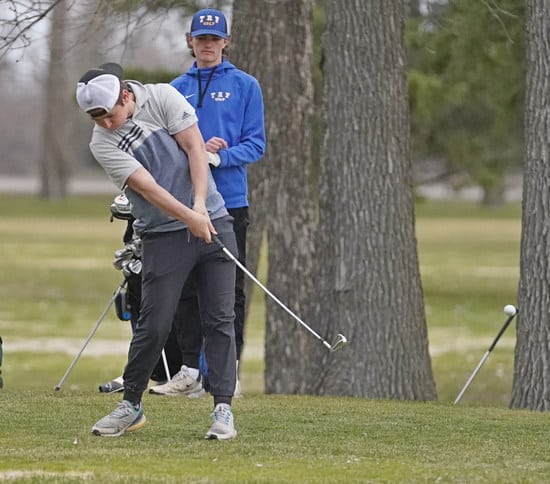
145, 140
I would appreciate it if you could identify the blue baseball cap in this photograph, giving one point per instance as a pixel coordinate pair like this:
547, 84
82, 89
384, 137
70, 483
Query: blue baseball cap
209, 22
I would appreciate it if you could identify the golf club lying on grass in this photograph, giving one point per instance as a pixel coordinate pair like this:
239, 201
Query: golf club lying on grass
510, 310
339, 341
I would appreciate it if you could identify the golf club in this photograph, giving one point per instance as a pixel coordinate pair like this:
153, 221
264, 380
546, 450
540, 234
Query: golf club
165, 363
92, 332
339, 341
510, 310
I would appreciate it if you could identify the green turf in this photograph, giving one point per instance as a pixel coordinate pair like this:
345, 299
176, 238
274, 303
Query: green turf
57, 277
281, 439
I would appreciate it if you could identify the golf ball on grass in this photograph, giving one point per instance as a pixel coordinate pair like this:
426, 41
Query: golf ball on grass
510, 310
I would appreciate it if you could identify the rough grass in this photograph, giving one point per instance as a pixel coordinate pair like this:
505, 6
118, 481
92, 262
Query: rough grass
57, 277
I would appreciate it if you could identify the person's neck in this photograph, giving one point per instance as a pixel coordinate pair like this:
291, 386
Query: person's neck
208, 65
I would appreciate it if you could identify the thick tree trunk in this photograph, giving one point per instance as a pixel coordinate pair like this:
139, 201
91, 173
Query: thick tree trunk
249, 41
54, 167
281, 201
370, 287
531, 387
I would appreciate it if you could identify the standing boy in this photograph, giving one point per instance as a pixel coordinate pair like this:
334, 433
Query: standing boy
229, 106
147, 140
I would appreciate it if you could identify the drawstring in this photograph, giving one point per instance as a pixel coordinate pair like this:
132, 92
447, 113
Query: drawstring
201, 92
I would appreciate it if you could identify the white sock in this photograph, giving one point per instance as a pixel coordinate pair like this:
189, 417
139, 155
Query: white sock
194, 372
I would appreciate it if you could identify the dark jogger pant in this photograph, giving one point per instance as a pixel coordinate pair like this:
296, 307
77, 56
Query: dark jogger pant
188, 324
168, 259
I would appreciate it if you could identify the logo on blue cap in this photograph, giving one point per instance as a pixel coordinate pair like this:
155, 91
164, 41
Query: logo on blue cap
209, 22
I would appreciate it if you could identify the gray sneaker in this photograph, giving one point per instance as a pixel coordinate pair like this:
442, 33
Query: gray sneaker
223, 427
124, 418
182, 384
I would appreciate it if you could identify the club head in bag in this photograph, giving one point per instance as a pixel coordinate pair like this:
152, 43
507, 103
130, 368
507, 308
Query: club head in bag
339, 342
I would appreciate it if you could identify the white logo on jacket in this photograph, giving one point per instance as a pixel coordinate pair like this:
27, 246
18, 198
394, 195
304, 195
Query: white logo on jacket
220, 96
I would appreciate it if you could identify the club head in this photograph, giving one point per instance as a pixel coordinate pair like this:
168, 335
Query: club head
339, 342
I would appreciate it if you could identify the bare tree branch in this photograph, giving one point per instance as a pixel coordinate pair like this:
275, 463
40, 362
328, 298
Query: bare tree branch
17, 18
495, 10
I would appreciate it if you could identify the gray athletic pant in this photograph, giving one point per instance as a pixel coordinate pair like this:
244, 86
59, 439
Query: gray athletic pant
168, 259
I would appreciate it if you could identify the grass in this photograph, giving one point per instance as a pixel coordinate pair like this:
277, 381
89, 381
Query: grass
56, 279
282, 439
469, 262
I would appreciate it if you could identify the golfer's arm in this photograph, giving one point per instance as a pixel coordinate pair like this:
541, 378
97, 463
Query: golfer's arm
191, 141
142, 182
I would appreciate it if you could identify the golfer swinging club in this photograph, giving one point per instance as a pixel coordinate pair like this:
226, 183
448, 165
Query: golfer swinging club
147, 140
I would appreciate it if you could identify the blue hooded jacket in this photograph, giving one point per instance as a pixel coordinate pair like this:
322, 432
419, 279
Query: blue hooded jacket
229, 106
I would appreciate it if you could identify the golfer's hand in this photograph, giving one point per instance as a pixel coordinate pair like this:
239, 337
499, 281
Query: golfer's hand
200, 207
201, 226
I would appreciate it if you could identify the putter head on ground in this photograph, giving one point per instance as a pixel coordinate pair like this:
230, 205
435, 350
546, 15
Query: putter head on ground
339, 342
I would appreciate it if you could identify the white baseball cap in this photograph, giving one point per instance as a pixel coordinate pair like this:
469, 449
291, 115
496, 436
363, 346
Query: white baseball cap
99, 88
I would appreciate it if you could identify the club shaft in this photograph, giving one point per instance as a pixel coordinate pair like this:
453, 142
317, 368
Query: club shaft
165, 363
501, 332
267, 291
485, 356
90, 336
472, 376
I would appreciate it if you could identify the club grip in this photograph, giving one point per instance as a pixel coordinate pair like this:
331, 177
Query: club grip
217, 241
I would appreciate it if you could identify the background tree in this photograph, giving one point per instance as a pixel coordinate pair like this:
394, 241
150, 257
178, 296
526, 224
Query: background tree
467, 83
370, 285
412, 8
78, 34
273, 41
531, 387
248, 37
17, 18
54, 162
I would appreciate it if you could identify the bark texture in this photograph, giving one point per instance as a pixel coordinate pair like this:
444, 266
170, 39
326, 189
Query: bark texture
370, 287
278, 51
531, 386
54, 166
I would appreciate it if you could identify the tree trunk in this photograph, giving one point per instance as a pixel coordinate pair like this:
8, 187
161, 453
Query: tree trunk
531, 385
370, 287
281, 198
54, 169
247, 51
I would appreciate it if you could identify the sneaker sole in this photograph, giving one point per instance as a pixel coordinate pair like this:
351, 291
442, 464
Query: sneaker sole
135, 426
213, 436
184, 393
